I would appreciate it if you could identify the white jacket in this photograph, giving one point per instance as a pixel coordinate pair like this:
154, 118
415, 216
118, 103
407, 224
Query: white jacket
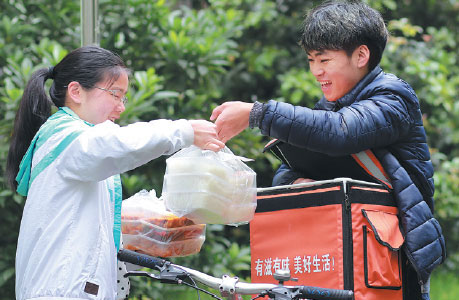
66, 242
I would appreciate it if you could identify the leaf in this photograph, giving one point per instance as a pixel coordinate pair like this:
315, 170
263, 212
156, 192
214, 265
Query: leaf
6, 275
173, 36
165, 94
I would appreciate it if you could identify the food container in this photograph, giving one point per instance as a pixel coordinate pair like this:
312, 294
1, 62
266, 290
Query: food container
211, 208
154, 247
209, 187
149, 228
163, 234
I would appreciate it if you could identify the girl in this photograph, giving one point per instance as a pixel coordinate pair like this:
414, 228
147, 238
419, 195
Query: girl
67, 165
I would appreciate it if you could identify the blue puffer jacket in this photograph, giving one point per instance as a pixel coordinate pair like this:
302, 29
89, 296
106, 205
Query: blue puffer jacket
380, 113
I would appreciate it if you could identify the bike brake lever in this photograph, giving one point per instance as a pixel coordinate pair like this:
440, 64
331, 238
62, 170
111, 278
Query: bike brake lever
282, 293
171, 273
167, 274
141, 273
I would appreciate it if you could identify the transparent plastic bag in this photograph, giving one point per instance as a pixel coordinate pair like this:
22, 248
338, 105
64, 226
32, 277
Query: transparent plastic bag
210, 187
149, 228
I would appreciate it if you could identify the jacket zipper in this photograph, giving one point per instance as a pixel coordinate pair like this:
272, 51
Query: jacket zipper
411, 260
348, 260
284, 158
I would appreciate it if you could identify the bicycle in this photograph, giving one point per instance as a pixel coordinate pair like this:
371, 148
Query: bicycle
229, 287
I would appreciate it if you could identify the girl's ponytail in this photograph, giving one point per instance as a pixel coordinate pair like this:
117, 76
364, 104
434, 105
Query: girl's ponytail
34, 110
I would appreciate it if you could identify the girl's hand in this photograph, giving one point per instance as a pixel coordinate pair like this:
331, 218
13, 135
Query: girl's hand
205, 135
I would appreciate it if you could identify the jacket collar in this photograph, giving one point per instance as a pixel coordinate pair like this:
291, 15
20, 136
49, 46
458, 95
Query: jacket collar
350, 97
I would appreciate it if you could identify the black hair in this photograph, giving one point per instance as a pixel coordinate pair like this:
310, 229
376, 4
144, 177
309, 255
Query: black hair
87, 65
345, 26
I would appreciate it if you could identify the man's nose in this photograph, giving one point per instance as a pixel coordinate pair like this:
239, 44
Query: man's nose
317, 71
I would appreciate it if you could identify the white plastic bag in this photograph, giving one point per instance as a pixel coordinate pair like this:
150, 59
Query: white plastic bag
209, 187
149, 228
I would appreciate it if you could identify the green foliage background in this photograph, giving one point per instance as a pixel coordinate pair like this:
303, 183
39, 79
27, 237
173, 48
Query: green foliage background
189, 56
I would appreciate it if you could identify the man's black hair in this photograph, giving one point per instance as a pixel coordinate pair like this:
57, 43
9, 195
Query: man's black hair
345, 26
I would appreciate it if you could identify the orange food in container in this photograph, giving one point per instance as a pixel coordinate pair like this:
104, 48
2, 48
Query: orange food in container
149, 228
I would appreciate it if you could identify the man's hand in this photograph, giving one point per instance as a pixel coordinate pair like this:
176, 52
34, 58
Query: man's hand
303, 180
231, 119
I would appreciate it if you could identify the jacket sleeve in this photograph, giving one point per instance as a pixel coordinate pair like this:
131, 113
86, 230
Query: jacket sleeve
107, 149
284, 175
375, 122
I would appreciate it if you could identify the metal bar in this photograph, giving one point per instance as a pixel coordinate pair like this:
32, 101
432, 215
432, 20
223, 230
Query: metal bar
320, 182
89, 23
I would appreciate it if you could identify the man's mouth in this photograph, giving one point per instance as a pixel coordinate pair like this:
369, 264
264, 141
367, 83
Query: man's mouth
325, 83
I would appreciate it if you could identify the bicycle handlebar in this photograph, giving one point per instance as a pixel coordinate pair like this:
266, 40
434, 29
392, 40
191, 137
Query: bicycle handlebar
322, 293
171, 273
140, 259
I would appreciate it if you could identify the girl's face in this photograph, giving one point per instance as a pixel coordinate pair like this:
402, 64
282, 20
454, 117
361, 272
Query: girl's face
105, 101
336, 72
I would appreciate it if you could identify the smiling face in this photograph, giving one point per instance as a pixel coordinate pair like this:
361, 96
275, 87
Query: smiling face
96, 105
337, 72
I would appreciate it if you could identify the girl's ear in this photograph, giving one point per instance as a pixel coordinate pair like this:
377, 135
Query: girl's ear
363, 56
74, 92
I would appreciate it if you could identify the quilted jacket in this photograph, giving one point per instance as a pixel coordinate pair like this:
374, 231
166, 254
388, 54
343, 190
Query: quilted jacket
381, 113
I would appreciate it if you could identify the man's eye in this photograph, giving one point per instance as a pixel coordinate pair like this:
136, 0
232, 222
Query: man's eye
324, 60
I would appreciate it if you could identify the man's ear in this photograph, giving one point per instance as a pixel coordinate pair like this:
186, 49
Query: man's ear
363, 56
74, 91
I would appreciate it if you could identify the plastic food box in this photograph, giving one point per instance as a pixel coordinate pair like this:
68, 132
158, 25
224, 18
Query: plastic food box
142, 227
205, 182
188, 165
163, 237
211, 208
231, 189
210, 191
154, 247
